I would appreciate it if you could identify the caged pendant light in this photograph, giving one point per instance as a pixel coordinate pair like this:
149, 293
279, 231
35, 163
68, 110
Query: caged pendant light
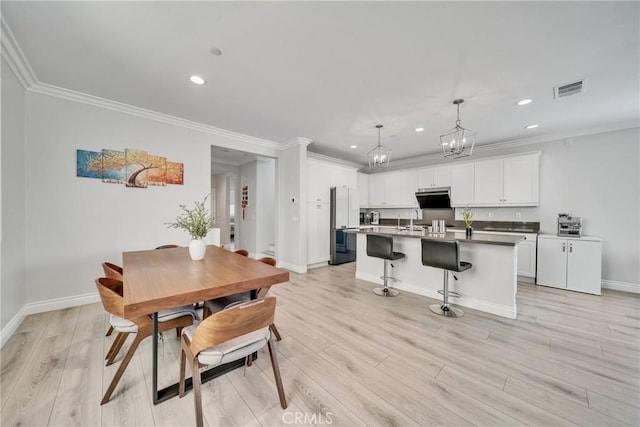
458, 142
379, 157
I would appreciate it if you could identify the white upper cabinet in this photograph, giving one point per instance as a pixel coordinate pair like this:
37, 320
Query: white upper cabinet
462, 184
363, 189
393, 189
321, 176
511, 181
434, 177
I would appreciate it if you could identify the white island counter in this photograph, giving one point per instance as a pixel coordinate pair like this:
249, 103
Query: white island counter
490, 285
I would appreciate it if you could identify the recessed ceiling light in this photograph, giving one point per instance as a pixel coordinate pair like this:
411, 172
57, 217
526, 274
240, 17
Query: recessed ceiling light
524, 102
353, 146
531, 127
419, 129
197, 80
216, 51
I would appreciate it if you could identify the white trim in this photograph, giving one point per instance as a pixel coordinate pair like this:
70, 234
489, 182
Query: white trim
322, 157
12, 53
317, 265
298, 140
300, 269
498, 310
437, 159
42, 306
621, 286
72, 95
11, 327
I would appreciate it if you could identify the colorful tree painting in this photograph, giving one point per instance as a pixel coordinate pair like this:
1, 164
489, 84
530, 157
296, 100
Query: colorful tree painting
113, 167
135, 168
84, 160
157, 175
175, 173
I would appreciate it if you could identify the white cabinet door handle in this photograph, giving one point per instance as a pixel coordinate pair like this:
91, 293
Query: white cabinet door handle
564, 247
570, 247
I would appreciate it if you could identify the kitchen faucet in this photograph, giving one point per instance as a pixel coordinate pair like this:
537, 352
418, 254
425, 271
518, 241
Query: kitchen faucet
411, 217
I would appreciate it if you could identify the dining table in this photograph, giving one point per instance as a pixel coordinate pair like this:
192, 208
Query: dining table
156, 280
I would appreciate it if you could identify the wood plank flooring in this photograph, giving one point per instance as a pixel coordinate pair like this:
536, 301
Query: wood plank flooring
349, 357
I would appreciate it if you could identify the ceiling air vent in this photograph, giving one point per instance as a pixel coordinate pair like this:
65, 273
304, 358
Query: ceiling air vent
569, 89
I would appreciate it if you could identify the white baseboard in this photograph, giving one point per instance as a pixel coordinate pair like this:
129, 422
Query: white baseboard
487, 307
301, 269
621, 286
316, 265
42, 306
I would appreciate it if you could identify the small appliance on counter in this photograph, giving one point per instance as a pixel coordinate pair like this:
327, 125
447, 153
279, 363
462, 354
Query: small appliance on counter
569, 226
375, 217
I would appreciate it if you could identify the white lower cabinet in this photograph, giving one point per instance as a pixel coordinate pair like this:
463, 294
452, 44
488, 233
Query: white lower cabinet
318, 233
570, 263
527, 256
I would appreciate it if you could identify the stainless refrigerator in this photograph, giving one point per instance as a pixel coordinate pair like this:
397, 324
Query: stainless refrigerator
345, 213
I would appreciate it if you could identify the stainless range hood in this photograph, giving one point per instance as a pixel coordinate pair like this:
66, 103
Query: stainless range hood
434, 198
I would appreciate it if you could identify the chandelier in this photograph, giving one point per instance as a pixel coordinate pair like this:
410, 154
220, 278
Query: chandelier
458, 142
379, 156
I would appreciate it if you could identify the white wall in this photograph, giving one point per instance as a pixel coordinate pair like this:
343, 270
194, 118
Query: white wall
12, 154
266, 201
292, 221
73, 224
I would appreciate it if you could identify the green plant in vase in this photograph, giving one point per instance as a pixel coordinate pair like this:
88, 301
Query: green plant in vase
197, 222
467, 216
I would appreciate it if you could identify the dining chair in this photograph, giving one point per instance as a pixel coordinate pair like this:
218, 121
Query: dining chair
112, 271
229, 335
219, 304
141, 326
242, 252
167, 247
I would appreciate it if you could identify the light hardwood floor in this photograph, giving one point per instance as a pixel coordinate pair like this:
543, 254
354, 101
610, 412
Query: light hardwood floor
349, 357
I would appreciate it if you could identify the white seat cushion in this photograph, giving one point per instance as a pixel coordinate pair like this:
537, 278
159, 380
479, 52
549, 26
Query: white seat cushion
219, 304
229, 351
121, 324
174, 313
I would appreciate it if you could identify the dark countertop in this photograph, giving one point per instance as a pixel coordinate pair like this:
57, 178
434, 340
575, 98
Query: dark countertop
487, 239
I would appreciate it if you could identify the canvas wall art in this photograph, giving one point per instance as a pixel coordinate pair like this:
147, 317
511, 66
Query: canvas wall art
134, 168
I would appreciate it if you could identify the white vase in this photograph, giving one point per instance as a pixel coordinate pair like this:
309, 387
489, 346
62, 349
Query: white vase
197, 249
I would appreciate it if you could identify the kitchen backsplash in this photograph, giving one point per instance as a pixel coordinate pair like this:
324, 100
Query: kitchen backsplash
519, 214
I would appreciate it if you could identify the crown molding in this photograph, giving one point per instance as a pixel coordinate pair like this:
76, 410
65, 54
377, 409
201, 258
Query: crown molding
71, 95
298, 140
322, 157
437, 158
19, 64
12, 53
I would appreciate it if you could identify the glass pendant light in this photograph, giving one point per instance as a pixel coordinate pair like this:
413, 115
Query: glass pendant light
458, 142
379, 157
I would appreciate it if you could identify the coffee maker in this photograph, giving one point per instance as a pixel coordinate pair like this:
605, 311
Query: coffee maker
375, 217
569, 226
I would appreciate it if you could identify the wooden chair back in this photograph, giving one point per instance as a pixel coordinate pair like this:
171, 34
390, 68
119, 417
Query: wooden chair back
233, 322
112, 271
167, 247
268, 260
242, 252
111, 301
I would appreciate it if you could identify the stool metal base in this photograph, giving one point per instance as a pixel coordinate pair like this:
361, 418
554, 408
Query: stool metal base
386, 292
446, 310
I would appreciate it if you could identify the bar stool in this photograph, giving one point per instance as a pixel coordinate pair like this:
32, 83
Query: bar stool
382, 247
444, 254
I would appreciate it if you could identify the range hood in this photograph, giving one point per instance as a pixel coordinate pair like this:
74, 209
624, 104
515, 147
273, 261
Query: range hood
434, 198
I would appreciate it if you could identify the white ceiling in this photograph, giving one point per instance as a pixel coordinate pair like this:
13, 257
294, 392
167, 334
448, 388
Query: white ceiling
331, 71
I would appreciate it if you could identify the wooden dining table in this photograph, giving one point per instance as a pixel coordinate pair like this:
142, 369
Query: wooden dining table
156, 280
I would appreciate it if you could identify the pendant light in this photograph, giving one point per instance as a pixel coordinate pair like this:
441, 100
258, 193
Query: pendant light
379, 157
458, 142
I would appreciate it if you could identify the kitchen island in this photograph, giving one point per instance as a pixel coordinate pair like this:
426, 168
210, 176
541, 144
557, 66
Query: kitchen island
489, 286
